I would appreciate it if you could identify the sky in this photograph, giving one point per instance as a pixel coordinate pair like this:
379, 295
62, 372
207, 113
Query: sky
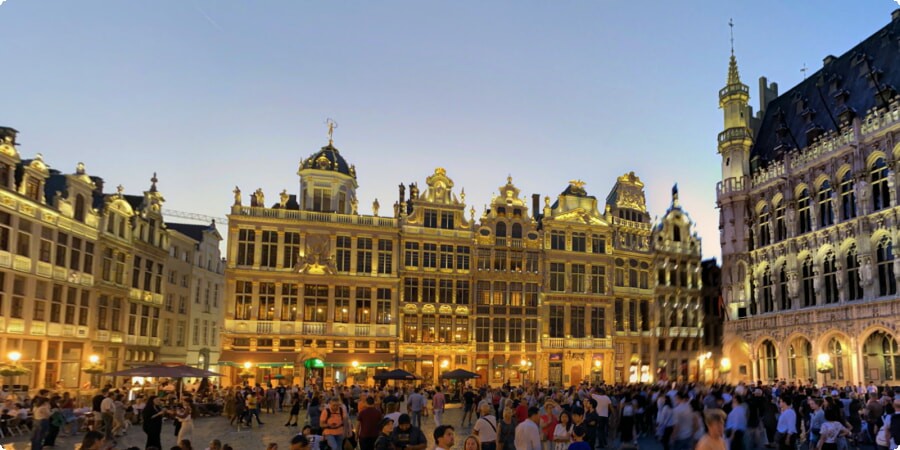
213, 94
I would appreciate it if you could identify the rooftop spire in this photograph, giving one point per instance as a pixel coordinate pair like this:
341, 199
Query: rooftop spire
731, 25
331, 126
675, 202
734, 77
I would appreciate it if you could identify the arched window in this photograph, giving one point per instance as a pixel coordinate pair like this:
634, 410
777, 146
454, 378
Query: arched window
836, 352
517, 231
887, 285
881, 355
79, 208
768, 303
848, 197
780, 227
676, 233
826, 210
800, 360
764, 236
809, 292
881, 195
501, 229
783, 289
804, 217
769, 356
854, 289
829, 272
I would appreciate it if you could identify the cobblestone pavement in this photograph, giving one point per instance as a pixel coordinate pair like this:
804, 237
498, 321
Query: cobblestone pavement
256, 438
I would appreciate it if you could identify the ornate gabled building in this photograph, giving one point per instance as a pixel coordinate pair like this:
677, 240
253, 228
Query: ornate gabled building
679, 312
576, 306
436, 305
508, 279
808, 202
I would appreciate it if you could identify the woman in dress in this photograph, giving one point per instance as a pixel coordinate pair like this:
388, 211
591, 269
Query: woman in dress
152, 421
562, 435
295, 411
185, 416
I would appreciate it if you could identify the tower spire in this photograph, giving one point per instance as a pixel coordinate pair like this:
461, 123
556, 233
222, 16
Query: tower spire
734, 77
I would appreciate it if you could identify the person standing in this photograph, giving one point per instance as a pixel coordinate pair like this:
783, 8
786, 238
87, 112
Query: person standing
40, 412
367, 421
787, 424
816, 420
528, 433
438, 402
485, 428
185, 416
107, 414
468, 406
385, 428
603, 408
414, 404
406, 436
295, 412
507, 435
713, 440
152, 421
684, 423
736, 423
444, 436
332, 421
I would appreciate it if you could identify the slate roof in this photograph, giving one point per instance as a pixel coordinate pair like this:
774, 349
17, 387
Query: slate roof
332, 154
192, 231
848, 86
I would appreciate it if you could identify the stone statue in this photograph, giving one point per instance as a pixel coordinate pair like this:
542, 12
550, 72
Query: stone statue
353, 205
793, 284
375, 207
283, 198
866, 272
817, 281
237, 196
259, 198
396, 209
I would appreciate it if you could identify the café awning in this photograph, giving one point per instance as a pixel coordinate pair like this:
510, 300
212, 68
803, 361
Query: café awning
265, 359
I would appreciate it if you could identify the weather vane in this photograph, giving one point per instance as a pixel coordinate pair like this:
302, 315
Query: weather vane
731, 25
331, 126
803, 69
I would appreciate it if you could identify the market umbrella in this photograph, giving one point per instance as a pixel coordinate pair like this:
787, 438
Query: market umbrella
161, 371
396, 374
460, 374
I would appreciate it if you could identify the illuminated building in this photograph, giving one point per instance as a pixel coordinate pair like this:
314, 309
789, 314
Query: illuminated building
808, 202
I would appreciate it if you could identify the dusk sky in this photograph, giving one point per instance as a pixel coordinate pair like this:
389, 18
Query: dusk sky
213, 94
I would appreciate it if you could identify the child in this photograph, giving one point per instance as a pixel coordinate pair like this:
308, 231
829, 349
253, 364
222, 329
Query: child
578, 437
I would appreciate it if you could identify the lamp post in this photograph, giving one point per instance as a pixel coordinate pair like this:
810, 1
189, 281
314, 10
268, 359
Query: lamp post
700, 368
94, 370
524, 367
246, 374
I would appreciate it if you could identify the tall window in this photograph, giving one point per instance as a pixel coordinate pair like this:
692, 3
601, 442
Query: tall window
515, 294
579, 242
577, 278
431, 218
385, 255
531, 331
598, 322
462, 257
598, 244
499, 330
246, 247
411, 290
557, 321
848, 197
364, 255
645, 316
289, 295
499, 293
445, 291
887, 285
531, 262
632, 316
269, 249
780, 227
804, 217
447, 220
829, 272
23, 243
428, 328
557, 240
598, 279
770, 356
881, 194
363, 303
411, 328
266, 301
768, 303
429, 256
445, 329
620, 315
826, 208
786, 303
854, 288
243, 300
291, 249
47, 248
482, 329
341, 313
411, 255
531, 295
557, 277
577, 321
315, 302
809, 293
322, 199
383, 306
5, 230
500, 229
343, 253
516, 261
836, 351
515, 330
764, 238
462, 292
500, 260
429, 290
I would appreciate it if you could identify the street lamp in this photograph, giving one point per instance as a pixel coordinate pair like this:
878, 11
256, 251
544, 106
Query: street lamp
246, 373
824, 365
14, 356
94, 359
703, 358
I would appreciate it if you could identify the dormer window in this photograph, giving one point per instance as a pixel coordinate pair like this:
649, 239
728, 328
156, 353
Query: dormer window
431, 218
676, 234
447, 221
33, 189
501, 229
501, 211
79, 208
4, 175
321, 199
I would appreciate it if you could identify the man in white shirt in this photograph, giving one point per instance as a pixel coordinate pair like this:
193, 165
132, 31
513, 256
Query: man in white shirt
603, 406
485, 428
528, 434
685, 423
107, 410
444, 436
787, 424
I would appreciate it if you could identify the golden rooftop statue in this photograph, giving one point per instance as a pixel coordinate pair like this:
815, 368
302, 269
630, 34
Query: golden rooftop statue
577, 183
331, 126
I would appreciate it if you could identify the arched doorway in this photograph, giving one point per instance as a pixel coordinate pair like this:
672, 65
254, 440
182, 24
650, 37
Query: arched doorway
576, 375
837, 352
768, 361
881, 357
800, 360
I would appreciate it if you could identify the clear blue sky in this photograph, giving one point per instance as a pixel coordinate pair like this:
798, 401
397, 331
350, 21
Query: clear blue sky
213, 94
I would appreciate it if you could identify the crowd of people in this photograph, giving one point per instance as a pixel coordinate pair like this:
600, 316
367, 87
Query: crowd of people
679, 416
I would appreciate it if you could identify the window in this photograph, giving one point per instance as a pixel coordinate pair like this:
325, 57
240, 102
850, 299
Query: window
532, 260
500, 230
385, 256
291, 249
342, 302
783, 289
364, 255
482, 329
33, 189
557, 277
516, 230
500, 260
770, 356
266, 302
410, 329
557, 240
428, 328
429, 290
579, 242
315, 302
577, 283
269, 249
809, 293
17, 306
446, 256
598, 244
383, 306
445, 329
431, 218
578, 321
411, 256
830, 275
848, 197
499, 330
243, 300
246, 247
411, 290
768, 304
531, 295
826, 208
887, 285
598, 322
23, 241
196, 332
803, 212
632, 278
321, 200
557, 321
46, 245
445, 291
645, 316
289, 294
429, 256
780, 227
342, 254
598, 279
764, 238
620, 315
120, 268
854, 289
462, 292
499, 292
514, 333
531, 331
632, 316
447, 220
462, 257
5, 230
881, 194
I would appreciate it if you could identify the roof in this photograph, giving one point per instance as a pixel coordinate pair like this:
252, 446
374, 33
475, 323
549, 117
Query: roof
848, 86
328, 158
574, 189
190, 230
134, 200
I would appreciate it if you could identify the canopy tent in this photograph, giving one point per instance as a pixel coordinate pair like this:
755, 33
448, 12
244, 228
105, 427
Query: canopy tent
460, 374
161, 371
396, 374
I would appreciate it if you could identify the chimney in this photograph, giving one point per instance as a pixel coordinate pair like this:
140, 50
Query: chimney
895, 15
826, 61
8, 134
535, 205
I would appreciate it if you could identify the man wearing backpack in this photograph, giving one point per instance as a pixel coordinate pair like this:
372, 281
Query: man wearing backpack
485, 428
332, 421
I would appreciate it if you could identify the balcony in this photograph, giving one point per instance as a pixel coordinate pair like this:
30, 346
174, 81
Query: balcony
315, 216
734, 135
578, 343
